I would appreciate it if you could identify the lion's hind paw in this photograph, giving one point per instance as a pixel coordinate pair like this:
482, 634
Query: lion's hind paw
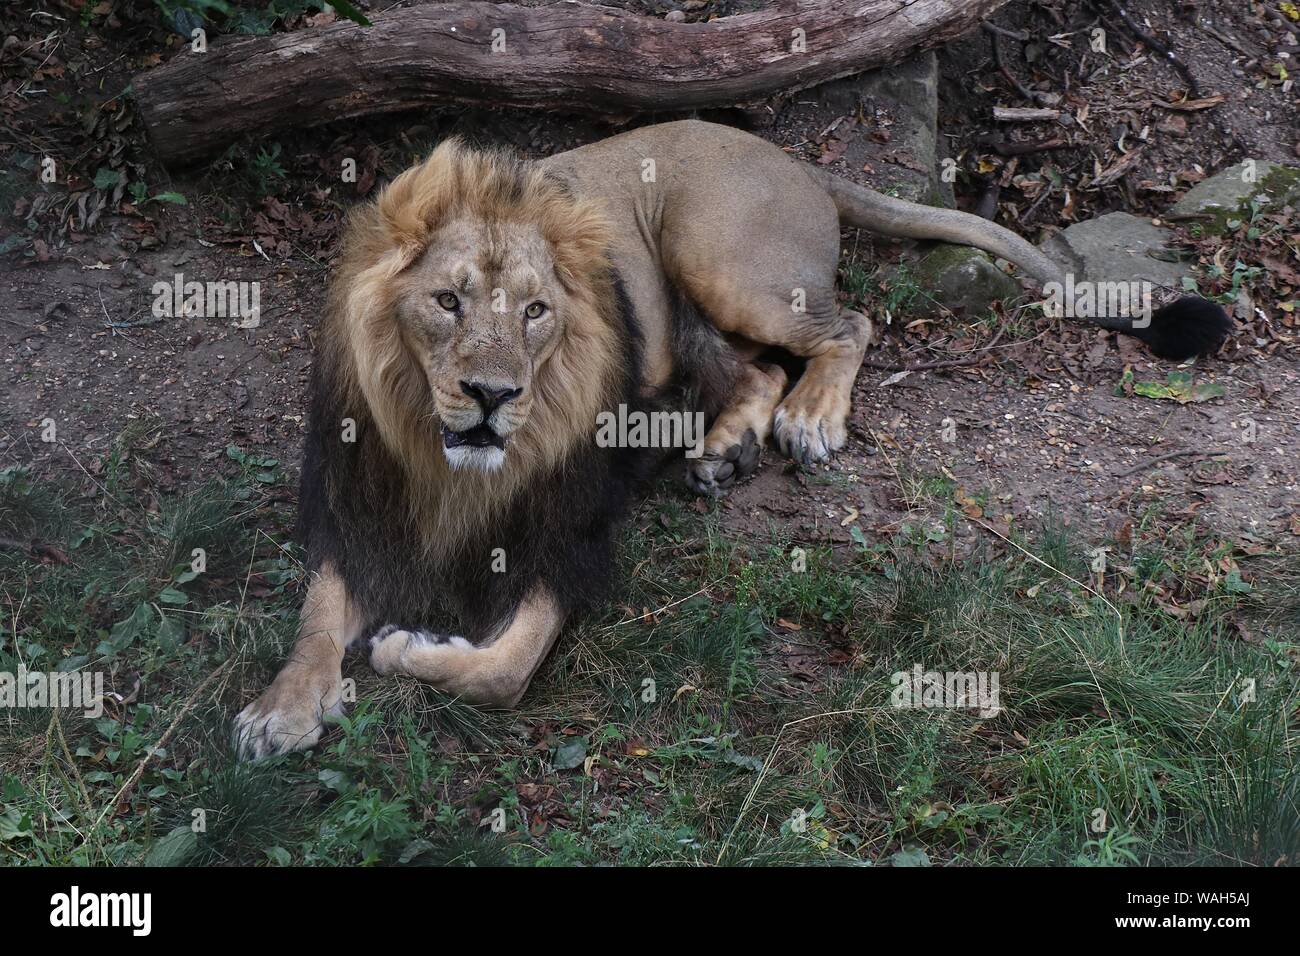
714, 475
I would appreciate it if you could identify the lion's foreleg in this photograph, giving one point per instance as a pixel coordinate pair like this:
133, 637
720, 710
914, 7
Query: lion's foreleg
495, 674
290, 714
736, 438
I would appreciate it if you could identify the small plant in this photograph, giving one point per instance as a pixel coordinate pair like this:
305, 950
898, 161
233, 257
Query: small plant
266, 170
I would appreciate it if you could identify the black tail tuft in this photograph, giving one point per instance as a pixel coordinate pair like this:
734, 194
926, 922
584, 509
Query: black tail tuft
1187, 327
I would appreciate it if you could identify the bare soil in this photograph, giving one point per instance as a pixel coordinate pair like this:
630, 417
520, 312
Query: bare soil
1040, 426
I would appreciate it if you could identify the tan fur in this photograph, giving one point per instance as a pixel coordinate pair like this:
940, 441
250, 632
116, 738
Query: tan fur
726, 220
812, 421
737, 252
687, 210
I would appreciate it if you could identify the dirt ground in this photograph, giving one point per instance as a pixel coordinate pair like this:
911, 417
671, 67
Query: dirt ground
1040, 426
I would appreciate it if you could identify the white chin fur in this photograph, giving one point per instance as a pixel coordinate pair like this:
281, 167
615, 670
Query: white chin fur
474, 458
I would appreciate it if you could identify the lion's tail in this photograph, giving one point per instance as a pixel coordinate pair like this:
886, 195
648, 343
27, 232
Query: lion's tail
1184, 328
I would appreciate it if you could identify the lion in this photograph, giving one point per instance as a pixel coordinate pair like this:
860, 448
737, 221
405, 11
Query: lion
486, 310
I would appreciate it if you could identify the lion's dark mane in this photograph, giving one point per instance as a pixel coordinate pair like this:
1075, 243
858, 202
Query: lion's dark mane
559, 532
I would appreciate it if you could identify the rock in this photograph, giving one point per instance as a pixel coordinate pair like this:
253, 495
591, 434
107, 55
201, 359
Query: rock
1226, 196
894, 151
1115, 248
962, 278
913, 88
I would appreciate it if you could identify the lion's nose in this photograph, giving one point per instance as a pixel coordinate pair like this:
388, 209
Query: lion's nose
489, 397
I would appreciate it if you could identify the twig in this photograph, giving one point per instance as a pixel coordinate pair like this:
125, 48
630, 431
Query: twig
990, 27
1024, 91
931, 366
657, 611
1151, 463
1193, 89
1029, 213
921, 366
1227, 40
1024, 114
137, 324
1186, 216
162, 742
1023, 149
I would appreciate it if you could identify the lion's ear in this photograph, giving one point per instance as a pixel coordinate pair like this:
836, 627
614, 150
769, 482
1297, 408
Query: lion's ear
413, 204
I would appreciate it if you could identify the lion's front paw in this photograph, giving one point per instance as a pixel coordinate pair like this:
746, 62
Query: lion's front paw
389, 645
811, 423
290, 714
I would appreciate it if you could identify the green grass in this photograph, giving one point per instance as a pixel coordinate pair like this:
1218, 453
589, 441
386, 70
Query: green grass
729, 708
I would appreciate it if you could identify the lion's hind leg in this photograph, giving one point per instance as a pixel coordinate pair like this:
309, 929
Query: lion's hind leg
812, 422
755, 247
737, 436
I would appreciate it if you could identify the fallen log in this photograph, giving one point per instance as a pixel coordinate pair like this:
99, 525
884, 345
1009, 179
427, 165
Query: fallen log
567, 57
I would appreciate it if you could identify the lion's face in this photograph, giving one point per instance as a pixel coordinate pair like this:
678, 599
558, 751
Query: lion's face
481, 311
474, 320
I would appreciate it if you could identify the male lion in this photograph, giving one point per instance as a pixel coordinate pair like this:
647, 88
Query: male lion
485, 310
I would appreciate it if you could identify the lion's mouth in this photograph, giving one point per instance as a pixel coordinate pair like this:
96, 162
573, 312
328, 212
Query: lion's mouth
480, 436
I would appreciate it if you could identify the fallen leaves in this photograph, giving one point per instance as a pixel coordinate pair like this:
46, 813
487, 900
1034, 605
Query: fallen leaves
1178, 387
279, 227
969, 506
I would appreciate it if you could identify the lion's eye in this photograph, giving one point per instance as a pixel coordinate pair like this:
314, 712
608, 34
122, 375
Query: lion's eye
448, 301
535, 310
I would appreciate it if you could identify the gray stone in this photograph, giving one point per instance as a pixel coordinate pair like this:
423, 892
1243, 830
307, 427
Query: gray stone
887, 122
900, 106
1226, 196
1118, 247
913, 88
